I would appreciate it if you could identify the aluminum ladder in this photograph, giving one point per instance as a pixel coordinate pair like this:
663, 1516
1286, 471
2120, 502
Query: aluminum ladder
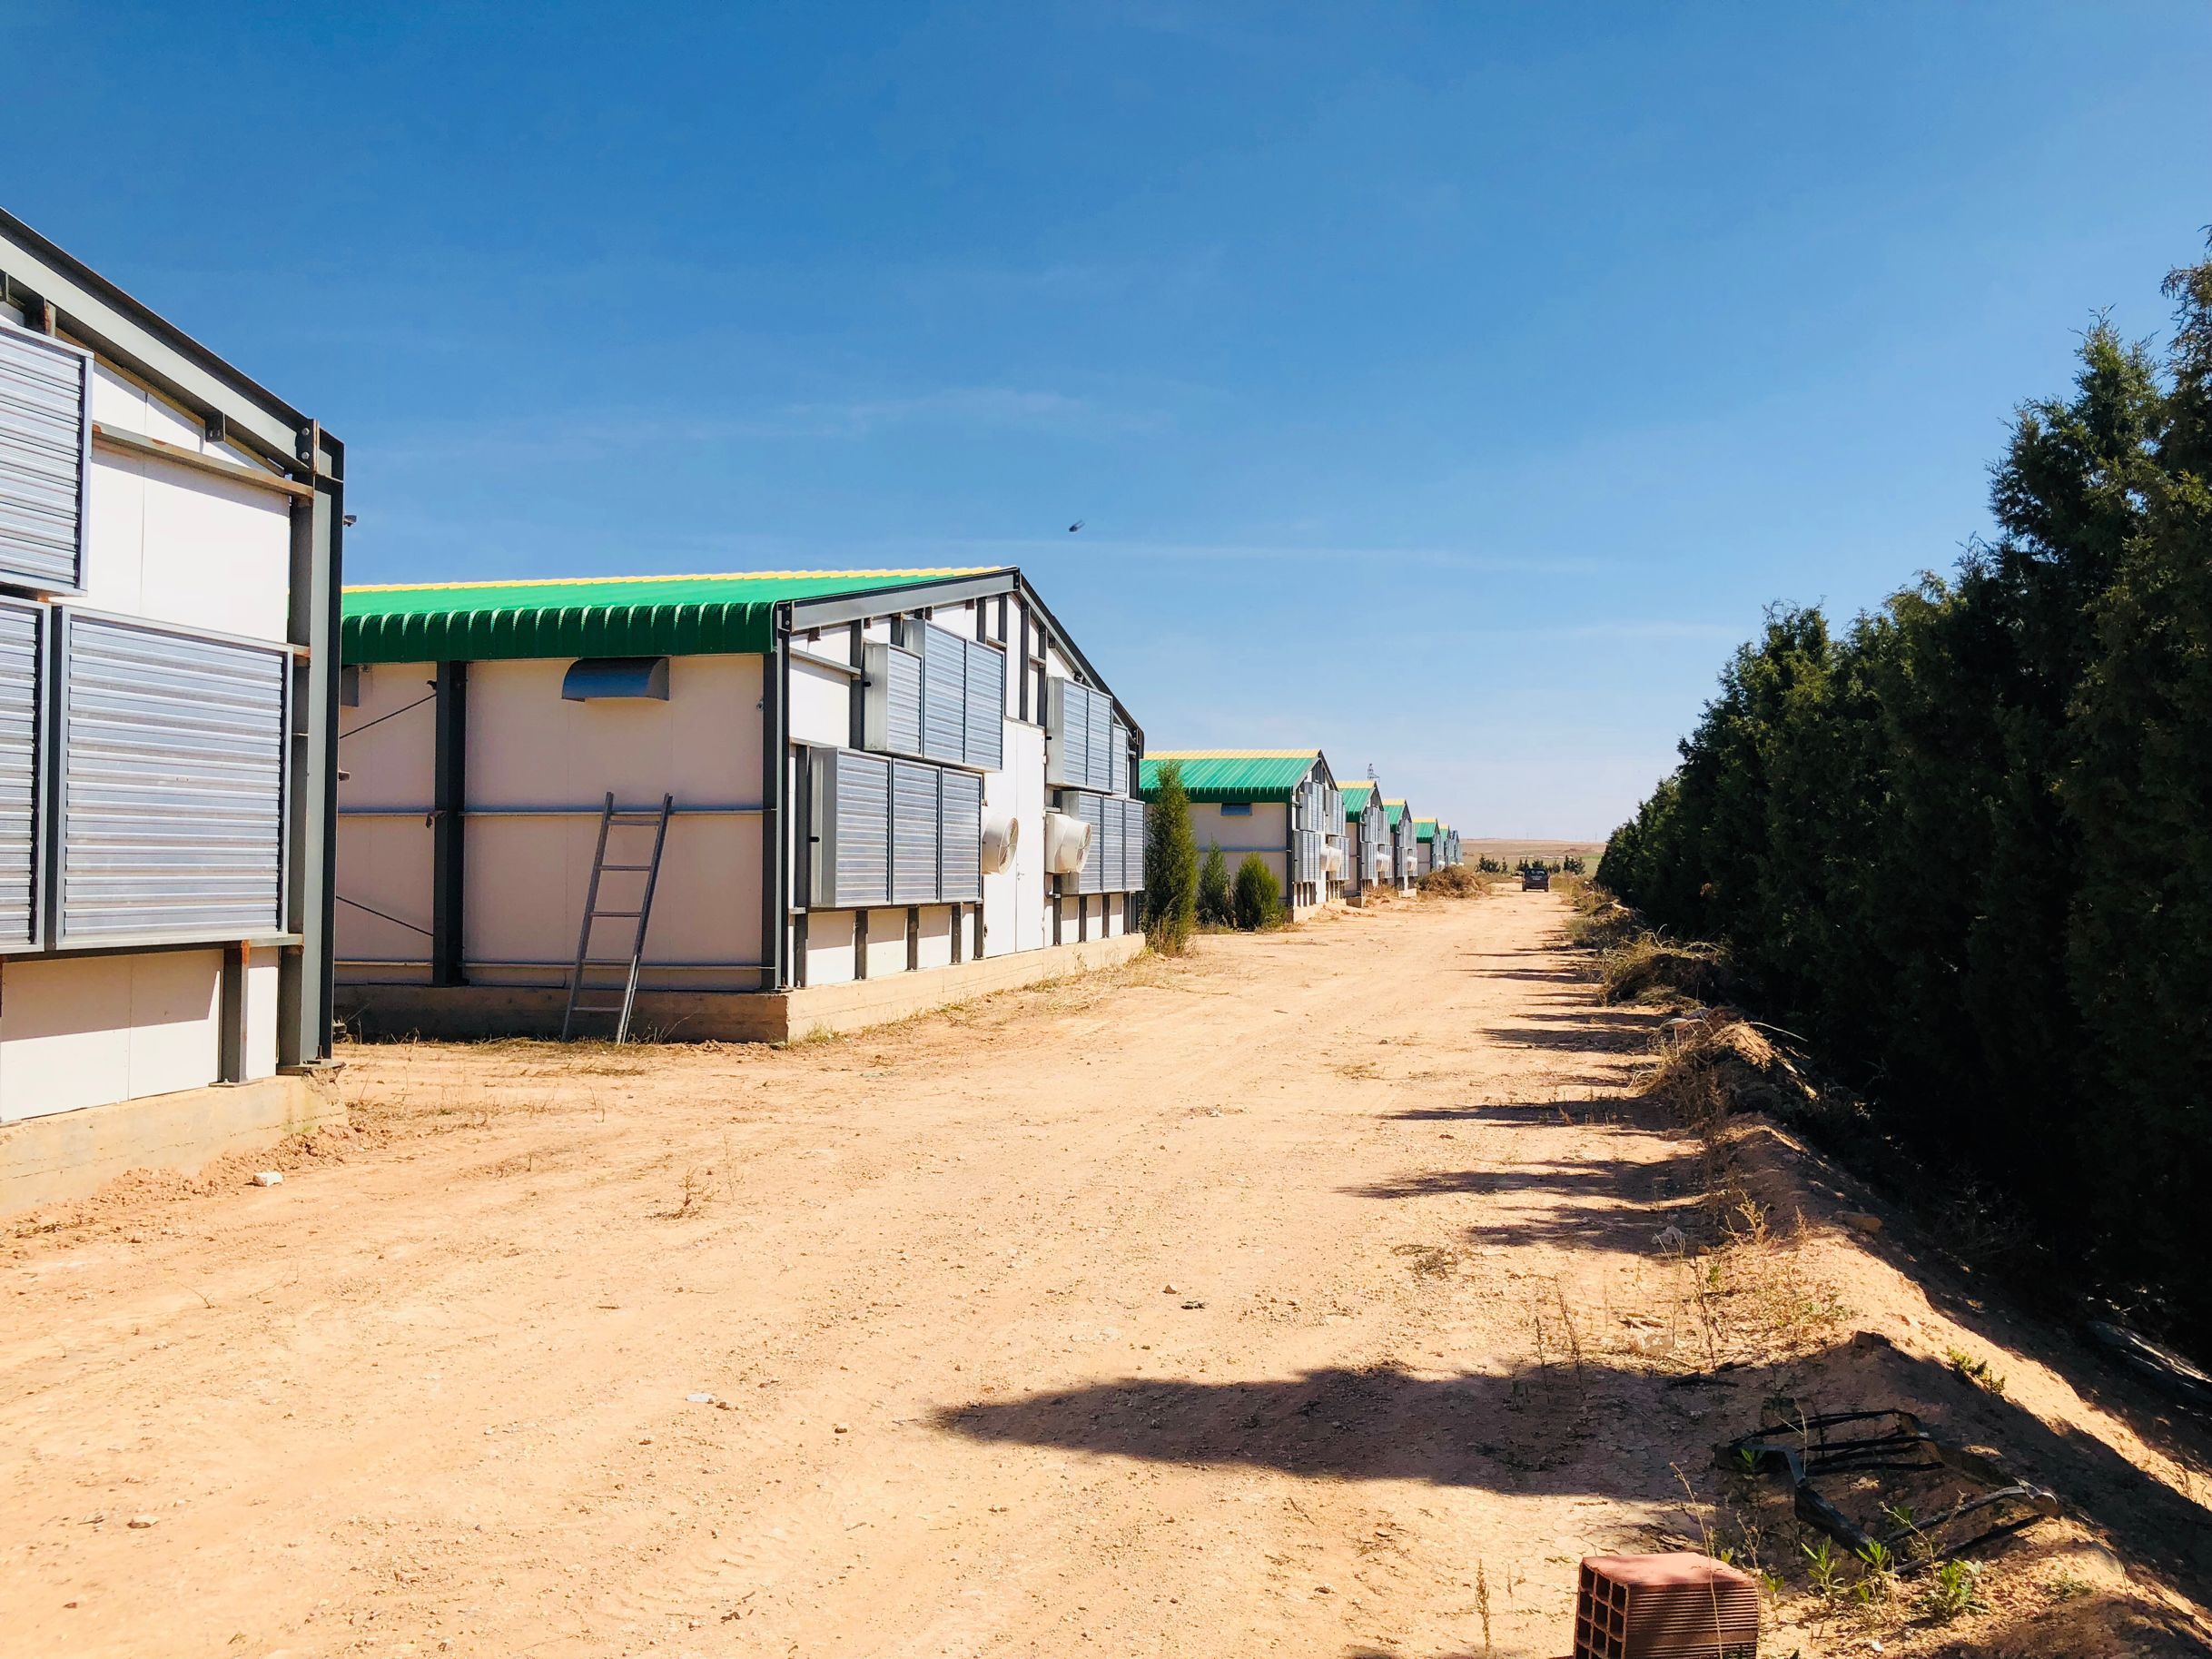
610, 820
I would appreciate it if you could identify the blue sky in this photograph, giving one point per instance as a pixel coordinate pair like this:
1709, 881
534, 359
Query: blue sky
1449, 385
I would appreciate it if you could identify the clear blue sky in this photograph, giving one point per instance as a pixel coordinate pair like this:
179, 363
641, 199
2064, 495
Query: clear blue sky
1448, 385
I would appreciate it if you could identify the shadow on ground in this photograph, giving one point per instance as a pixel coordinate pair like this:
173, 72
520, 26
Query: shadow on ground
1606, 1429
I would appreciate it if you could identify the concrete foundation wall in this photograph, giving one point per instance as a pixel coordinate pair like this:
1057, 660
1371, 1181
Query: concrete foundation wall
492, 1010
51, 1160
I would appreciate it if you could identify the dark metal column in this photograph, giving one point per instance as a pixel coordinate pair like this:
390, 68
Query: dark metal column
449, 807
776, 874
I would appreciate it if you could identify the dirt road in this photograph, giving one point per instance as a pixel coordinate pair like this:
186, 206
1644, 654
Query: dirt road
1290, 1300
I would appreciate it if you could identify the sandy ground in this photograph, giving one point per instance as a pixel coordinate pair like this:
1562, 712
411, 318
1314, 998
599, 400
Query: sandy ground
1299, 1297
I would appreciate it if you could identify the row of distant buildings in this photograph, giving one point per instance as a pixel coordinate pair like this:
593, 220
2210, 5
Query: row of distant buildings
1324, 841
242, 806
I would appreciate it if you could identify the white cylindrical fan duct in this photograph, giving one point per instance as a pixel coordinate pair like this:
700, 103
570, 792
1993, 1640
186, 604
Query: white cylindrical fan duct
1002, 835
1067, 843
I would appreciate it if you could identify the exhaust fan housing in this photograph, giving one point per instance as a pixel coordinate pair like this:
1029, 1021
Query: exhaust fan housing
1067, 843
1002, 835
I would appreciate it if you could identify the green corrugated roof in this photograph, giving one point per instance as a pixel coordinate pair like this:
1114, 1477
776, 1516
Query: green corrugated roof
1218, 776
1394, 811
641, 616
1424, 829
1355, 799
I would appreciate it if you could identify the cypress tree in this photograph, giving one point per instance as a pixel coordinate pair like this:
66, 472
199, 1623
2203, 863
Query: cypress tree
1170, 866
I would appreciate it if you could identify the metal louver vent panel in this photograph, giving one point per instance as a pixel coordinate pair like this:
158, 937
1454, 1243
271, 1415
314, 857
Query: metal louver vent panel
914, 809
1132, 873
1102, 741
944, 695
46, 460
1068, 732
1106, 845
1117, 759
964, 837
22, 665
1090, 809
894, 699
853, 827
986, 707
172, 771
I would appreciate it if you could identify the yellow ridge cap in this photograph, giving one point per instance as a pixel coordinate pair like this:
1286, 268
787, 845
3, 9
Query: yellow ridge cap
706, 576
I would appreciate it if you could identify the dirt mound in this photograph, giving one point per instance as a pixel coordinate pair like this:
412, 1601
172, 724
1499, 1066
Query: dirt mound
1716, 1063
1649, 968
1453, 882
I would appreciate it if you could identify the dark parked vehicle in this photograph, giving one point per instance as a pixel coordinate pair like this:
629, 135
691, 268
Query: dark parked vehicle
1536, 880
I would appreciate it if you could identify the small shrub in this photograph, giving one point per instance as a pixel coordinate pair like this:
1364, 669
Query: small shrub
1978, 1371
1825, 1567
1215, 908
1954, 1590
1256, 901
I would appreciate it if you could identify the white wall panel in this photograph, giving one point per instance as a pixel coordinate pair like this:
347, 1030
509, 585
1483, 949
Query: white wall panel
94, 1030
393, 762
829, 948
1262, 831
261, 1013
528, 747
218, 554
821, 702
384, 863
525, 879
179, 545
937, 936
886, 942
1014, 916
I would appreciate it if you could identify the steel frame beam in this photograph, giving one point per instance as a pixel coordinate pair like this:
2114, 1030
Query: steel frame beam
65, 297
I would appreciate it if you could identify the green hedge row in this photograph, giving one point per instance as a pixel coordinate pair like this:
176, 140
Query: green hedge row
1964, 845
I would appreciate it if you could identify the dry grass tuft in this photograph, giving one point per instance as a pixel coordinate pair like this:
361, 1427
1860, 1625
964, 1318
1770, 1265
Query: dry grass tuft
1600, 922
1717, 1063
1648, 968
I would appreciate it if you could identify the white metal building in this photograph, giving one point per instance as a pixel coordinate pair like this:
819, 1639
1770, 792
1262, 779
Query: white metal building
1370, 857
867, 774
1405, 851
1280, 804
169, 539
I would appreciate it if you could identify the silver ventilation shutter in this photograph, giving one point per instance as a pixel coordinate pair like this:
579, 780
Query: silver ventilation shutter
1102, 741
944, 695
1068, 729
1132, 873
964, 837
1090, 809
914, 809
46, 460
172, 772
22, 676
1106, 845
894, 699
852, 830
986, 707
1116, 760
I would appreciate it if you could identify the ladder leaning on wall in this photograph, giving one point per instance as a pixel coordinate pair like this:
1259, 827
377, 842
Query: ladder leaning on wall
611, 820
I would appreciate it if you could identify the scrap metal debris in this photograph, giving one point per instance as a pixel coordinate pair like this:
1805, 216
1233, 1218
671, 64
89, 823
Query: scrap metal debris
1830, 1457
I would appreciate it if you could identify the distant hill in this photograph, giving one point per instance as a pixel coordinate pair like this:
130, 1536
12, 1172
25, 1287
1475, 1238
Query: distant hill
1510, 851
